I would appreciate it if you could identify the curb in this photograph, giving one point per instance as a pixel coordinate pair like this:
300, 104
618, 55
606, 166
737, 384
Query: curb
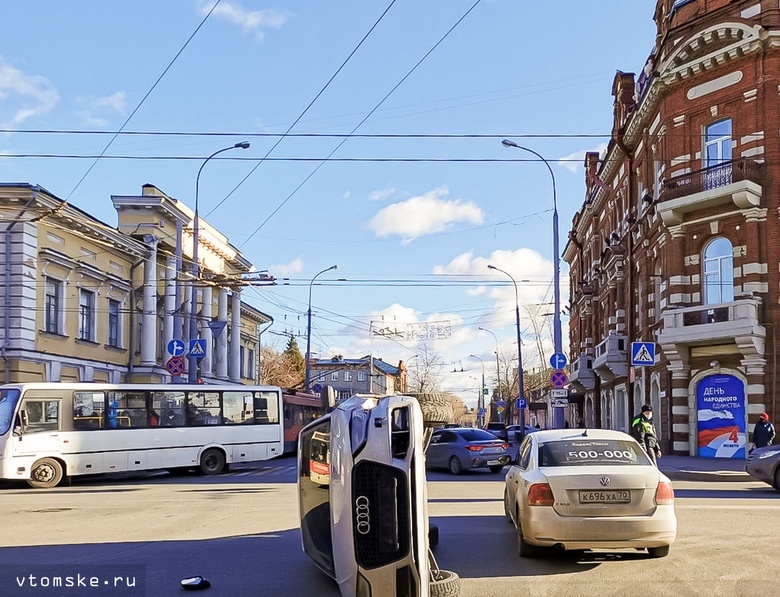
710, 476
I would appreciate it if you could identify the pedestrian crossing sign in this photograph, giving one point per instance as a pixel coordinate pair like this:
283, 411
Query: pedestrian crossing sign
198, 348
642, 353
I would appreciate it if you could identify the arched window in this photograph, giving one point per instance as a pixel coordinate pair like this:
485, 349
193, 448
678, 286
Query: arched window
718, 272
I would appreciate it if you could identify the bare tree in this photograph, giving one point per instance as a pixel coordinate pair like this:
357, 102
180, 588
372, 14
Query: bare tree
284, 369
425, 371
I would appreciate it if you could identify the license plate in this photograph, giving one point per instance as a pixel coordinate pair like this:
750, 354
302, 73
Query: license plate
492, 462
605, 497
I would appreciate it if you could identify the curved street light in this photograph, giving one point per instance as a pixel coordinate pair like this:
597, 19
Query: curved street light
498, 371
308, 329
192, 374
556, 251
520, 381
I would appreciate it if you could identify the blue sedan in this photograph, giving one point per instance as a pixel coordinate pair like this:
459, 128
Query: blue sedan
466, 448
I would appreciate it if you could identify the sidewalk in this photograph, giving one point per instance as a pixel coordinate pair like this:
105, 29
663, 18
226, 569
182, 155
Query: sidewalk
694, 468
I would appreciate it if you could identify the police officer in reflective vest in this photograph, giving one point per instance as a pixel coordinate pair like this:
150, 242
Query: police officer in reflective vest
643, 430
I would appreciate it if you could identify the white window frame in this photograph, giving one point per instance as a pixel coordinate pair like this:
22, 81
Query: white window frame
717, 272
118, 324
86, 312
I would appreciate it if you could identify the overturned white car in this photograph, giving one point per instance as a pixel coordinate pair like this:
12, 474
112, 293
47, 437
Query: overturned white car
363, 500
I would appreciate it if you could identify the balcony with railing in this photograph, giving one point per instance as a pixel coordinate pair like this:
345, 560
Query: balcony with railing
711, 324
739, 182
581, 373
611, 358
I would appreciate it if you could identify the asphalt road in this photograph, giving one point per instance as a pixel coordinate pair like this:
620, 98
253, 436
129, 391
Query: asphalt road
240, 530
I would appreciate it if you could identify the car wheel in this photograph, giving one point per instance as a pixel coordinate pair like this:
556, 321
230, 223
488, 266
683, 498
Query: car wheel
777, 479
212, 462
456, 467
45, 474
658, 552
445, 584
506, 508
525, 549
497, 468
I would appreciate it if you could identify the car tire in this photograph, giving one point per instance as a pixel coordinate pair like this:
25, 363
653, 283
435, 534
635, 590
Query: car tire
45, 474
658, 552
446, 584
456, 466
212, 462
496, 468
525, 549
433, 535
777, 479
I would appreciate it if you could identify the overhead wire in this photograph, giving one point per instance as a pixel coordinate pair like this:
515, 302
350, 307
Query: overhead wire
143, 99
362, 121
306, 109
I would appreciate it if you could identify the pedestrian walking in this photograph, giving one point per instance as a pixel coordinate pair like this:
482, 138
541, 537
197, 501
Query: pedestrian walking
764, 432
643, 430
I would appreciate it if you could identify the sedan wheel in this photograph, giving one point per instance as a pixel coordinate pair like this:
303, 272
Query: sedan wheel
524, 549
456, 467
777, 479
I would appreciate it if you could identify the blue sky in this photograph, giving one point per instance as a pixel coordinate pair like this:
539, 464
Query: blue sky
392, 168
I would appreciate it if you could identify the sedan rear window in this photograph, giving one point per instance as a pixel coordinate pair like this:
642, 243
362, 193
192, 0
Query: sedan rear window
588, 452
476, 435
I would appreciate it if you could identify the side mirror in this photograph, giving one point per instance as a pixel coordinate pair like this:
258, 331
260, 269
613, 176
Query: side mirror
24, 418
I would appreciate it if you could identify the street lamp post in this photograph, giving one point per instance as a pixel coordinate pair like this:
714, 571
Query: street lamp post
308, 329
520, 381
498, 371
480, 398
556, 251
192, 374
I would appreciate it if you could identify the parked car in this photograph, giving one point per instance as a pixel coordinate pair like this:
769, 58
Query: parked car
497, 429
588, 489
764, 465
466, 448
363, 502
517, 433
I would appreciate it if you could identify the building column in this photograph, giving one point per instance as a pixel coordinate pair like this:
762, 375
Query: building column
206, 333
149, 317
235, 337
221, 352
170, 300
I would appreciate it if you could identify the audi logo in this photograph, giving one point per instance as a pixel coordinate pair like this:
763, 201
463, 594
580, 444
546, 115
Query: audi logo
362, 515
604, 481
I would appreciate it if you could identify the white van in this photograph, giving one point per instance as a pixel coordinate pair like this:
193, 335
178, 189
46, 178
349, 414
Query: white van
363, 500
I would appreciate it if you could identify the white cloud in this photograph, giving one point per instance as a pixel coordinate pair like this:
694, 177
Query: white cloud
381, 195
286, 269
425, 214
575, 162
25, 96
98, 110
256, 21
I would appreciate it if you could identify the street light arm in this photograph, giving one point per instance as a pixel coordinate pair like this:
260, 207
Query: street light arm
557, 333
192, 374
308, 329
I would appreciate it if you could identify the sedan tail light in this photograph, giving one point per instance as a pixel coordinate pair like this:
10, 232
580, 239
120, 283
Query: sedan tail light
540, 494
664, 494
475, 448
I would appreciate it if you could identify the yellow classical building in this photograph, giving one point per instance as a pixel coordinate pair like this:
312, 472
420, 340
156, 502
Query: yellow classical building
84, 301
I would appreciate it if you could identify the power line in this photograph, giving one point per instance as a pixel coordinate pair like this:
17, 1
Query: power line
143, 99
365, 118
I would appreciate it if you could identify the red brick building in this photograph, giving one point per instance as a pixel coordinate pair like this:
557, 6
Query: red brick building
677, 244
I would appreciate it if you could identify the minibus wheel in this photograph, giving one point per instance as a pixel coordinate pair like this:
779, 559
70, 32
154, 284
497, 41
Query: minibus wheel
45, 474
212, 462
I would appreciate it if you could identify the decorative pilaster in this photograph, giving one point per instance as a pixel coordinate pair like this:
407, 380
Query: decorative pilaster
222, 343
235, 336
